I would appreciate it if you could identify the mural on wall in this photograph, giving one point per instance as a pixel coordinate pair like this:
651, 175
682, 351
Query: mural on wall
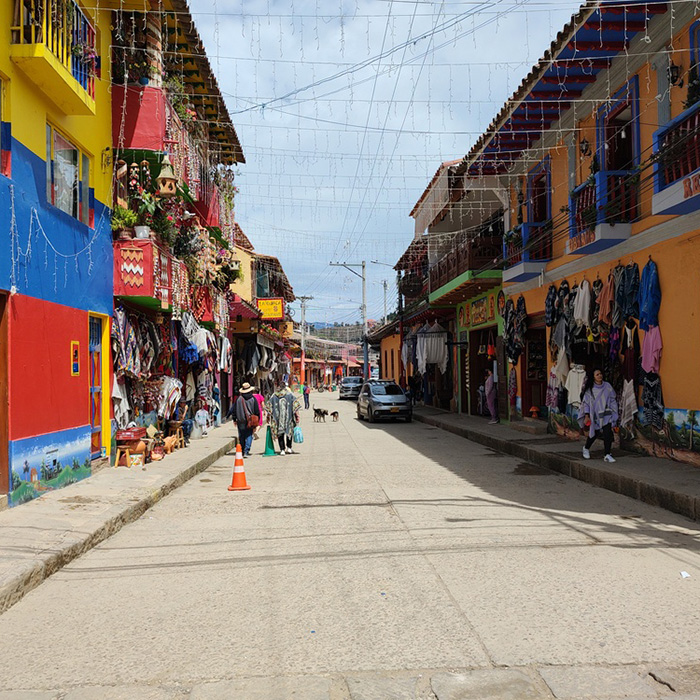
679, 439
48, 462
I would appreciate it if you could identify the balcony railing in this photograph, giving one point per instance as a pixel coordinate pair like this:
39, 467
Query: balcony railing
678, 147
533, 245
476, 254
610, 197
64, 30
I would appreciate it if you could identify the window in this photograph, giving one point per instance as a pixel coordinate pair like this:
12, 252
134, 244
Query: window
67, 176
387, 390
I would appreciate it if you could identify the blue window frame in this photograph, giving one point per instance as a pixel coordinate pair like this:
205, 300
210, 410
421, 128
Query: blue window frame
618, 122
695, 43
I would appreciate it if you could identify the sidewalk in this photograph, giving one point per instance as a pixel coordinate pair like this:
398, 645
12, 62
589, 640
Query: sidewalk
40, 537
659, 482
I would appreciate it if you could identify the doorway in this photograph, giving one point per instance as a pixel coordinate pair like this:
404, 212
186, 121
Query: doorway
464, 380
479, 362
534, 371
4, 401
95, 349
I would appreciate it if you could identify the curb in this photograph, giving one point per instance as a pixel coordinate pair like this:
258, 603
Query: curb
652, 494
53, 560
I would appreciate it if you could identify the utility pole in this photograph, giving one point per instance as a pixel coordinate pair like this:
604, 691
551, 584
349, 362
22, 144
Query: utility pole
385, 285
302, 368
363, 277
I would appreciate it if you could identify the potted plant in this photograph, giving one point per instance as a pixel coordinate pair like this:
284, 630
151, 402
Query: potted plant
147, 205
123, 221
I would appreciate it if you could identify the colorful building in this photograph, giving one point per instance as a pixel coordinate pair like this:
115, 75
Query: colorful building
56, 244
590, 171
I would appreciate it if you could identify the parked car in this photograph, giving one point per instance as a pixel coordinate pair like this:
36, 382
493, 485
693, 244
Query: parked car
383, 399
350, 387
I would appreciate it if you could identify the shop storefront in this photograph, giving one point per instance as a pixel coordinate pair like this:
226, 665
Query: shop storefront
480, 347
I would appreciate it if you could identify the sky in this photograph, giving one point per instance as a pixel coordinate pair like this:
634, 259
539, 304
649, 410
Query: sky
346, 108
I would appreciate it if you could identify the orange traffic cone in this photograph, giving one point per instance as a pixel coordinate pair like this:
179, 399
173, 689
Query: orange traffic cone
238, 483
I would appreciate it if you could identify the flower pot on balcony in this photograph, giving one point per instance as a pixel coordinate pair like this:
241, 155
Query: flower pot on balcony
143, 80
142, 231
125, 234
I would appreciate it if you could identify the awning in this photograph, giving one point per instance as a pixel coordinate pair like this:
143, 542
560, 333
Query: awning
240, 307
265, 342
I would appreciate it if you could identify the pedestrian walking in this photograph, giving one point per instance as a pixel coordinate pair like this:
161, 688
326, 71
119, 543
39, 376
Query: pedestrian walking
283, 417
598, 413
491, 391
261, 405
306, 390
248, 416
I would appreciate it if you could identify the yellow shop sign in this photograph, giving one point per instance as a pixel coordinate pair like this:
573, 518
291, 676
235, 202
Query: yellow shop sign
272, 309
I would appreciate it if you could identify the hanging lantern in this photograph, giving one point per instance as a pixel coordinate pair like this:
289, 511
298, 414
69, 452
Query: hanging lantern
167, 181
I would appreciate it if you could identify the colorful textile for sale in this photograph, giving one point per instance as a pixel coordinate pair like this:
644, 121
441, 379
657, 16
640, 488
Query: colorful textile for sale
653, 400
649, 296
651, 349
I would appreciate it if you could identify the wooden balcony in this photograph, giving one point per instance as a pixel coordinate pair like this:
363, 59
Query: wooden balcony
143, 272
601, 209
53, 43
476, 255
677, 167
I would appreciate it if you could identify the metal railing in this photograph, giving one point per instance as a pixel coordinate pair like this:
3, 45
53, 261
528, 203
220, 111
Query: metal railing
610, 197
62, 27
533, 245
677, 146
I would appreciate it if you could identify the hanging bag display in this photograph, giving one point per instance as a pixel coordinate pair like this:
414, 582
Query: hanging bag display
482, 346
491, 347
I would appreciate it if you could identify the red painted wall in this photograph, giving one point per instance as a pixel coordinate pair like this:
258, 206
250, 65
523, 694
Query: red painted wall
44, 397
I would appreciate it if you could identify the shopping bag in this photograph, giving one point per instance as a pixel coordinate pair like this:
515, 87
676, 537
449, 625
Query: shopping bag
298, 435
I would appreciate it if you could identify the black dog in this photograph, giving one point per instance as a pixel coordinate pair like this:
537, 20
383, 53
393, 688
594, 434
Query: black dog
320, 414
335, 416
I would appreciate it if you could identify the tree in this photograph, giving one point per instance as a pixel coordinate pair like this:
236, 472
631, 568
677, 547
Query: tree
672, 429
25, 470
16, 481
693, 423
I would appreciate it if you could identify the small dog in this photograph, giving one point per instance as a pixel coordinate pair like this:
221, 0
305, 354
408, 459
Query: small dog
320, 414
335, 416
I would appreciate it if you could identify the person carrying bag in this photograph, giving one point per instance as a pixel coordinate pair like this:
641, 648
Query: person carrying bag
247, 413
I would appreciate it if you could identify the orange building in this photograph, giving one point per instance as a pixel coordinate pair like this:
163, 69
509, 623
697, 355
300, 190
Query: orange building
593, 168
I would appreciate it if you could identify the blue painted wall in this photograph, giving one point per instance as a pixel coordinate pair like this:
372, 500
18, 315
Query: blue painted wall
56, 257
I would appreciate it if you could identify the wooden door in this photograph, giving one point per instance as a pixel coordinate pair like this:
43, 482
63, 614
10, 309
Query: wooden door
4, 406
534, 370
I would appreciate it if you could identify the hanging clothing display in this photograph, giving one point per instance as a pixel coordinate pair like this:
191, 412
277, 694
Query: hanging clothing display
627, 292
628, 404
630, 351
574, 384
616, 317
561, 368
582, 305
649, 296
606, 299
431, 347
550, 309
552, 397
120, 402
651, 350
653, 400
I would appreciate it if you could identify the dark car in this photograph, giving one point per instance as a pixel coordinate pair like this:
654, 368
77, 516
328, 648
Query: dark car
350, 387
383, 399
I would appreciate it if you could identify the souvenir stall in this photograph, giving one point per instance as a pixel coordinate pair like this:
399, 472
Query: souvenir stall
432, 360
598, 323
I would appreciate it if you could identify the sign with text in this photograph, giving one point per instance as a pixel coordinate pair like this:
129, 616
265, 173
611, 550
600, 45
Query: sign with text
272, 308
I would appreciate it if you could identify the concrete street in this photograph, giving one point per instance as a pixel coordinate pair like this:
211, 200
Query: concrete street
381, 561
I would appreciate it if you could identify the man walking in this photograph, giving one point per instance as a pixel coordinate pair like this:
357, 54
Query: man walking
306, 390
247, 411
